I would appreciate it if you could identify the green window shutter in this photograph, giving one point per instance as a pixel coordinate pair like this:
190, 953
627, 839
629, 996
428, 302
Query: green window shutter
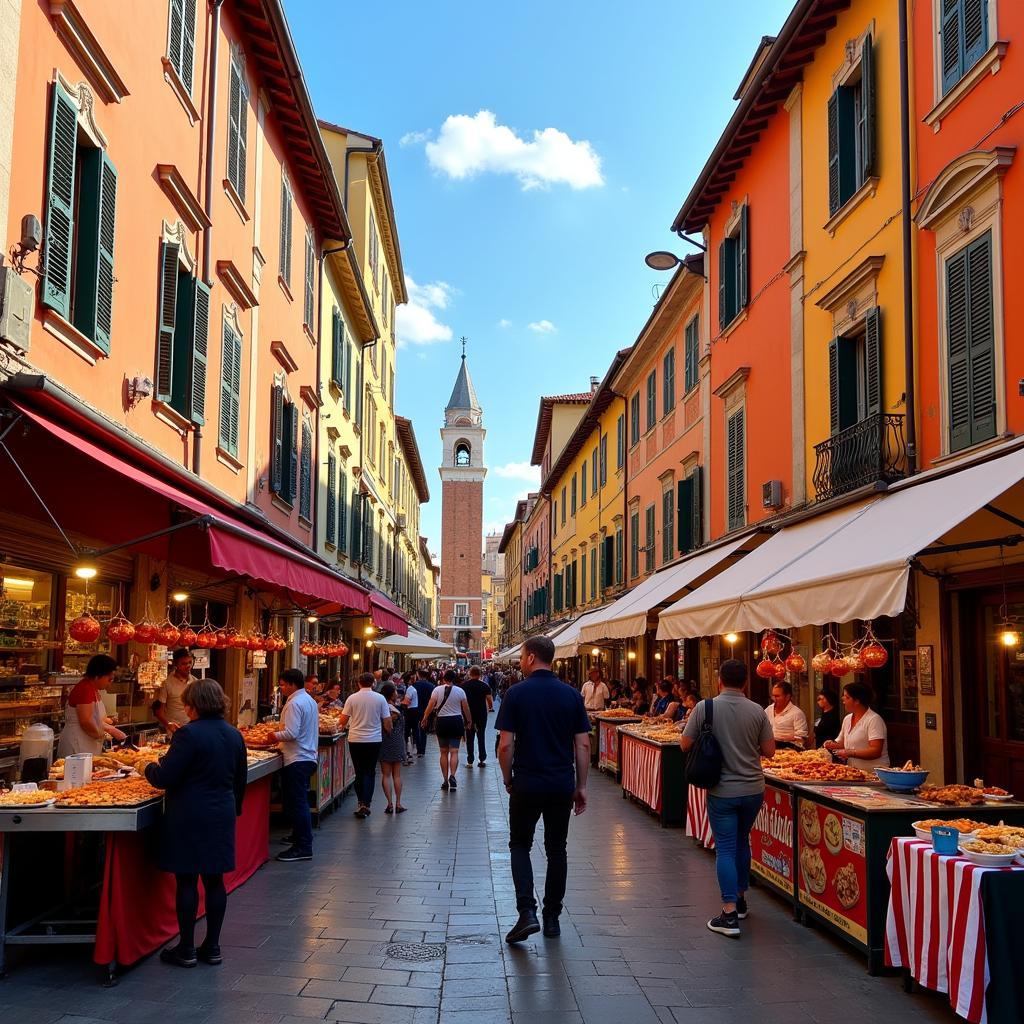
582, 570
349, 357
618, 556
867, 102
668, 383
60, 202
176, 33
723, 312
982, 339
604, 459
331, 524
833, 386
634, 417
277, 439
583, 485
593, 572
685, 515
975, 31
737, 503
609, 561
697, 476
743, 260
649, 538
294, 428
200, 322
342, 512
834, 200
691, 355
188, 45
873, 361
668, 516
237, 127
189, 356
310, 286
167, 313
104, 279
228, 374
620, 441
337, 348
285, 242
358, 397
634, 545
952, 43
357, 526
652, 399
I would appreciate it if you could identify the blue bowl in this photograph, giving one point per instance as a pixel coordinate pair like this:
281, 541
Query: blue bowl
901, 782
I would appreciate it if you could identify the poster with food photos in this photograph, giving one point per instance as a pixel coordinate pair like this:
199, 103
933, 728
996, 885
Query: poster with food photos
832, 867
771, 840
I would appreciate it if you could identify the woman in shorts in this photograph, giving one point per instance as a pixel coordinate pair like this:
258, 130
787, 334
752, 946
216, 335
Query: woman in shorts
452, 709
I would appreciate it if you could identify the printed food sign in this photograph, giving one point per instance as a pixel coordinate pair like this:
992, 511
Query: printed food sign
771, 840
833, 869
608, 745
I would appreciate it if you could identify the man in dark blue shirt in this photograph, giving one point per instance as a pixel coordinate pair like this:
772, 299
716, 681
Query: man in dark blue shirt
424, 690
544, 752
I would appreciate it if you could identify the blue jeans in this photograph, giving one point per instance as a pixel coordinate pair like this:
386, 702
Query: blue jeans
295, 800
731, 819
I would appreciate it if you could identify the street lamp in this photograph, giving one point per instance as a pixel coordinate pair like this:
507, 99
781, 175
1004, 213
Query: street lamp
662, 259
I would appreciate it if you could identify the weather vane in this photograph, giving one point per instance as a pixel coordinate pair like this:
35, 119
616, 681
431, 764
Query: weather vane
463, 339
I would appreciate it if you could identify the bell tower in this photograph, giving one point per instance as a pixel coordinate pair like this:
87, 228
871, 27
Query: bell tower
460, 615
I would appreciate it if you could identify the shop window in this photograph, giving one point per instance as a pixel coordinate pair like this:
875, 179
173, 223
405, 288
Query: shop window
851, 131
734, 270
963, 38
78, 252
238, 118
691, 354
26, 623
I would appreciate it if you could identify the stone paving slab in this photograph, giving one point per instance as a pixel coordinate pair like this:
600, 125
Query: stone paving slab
314, 940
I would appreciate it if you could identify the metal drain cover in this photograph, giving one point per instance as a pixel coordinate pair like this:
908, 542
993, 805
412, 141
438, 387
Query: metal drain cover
415, 951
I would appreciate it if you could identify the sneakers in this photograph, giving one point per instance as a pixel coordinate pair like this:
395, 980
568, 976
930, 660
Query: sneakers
552, 929
482, 761
210, 955
444, 784
287, 840
469, 764
741, 908
526, 926
288, 856
182, 957
452, 784
725, 924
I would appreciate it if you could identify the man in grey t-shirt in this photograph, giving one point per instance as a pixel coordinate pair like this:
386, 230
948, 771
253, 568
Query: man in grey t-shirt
744, 734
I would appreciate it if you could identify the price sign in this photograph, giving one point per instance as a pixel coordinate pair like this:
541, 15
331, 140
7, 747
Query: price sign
200, 658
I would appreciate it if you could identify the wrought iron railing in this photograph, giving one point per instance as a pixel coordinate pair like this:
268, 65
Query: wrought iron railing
871, 451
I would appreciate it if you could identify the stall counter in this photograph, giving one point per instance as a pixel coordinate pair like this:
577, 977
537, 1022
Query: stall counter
653, 775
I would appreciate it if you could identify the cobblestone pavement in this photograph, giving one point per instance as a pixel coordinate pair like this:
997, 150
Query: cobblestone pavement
317, 940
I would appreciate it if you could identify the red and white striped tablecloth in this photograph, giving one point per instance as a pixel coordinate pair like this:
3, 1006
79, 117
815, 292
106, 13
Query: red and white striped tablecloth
641, 770
698, 824
935, 926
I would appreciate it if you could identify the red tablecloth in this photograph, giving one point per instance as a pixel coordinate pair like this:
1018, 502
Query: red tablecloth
641, 770
136, 914
698, 824
935, 926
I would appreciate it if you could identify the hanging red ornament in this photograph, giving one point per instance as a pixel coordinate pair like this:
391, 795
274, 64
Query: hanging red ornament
168, 634
771, 644
822, 662
764, 669
224, 638
120, 630
874, 655
342, 650
855, 661
306, 649
795, 663
206, 638
85, 629
255, 641
779, 670
145, 632
839, 667
187, 636
239, 641
278, 641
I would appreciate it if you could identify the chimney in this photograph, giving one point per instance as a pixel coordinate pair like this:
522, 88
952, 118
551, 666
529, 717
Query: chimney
594, 381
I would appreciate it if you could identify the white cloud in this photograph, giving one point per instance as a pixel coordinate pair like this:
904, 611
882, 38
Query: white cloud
503, 323
542, 327
414, 138
467, 146
518, 471
416, 322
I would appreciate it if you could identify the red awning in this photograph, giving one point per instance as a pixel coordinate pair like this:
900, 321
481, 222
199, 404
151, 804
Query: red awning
233, 546
387, 616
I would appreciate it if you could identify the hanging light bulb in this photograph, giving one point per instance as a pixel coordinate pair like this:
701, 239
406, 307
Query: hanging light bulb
1009, 637
731, 638
595, 652
85, 572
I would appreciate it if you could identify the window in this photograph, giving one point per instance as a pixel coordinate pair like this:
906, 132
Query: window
78, 246
618, 554
734, 270
563, 506
309, 303
963, 38
582, 570
238, 117
691, 511
593, 572
970, 331
284, 446
380, 551
391, 389
343, 512
462, 454
382, 440
604, 459
230, 387
357, 525
341, 356
583, 484
691, 356
851, 132
608, 561
284, 254
331, 519
620, 441
306, 472
652, 399
181, 39
374, 253
359, 396
634, 419
649, 539
855, 374
668, 519
385, 305
558, 593
573, 494
668, 382
634, 544
736, 463
593, 471
182, 339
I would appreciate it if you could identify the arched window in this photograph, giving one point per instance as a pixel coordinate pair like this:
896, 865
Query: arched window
462, 453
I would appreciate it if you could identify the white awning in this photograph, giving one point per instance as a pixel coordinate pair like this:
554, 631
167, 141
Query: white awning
853, 563
509, 654
627, 617
415, 643
569, 639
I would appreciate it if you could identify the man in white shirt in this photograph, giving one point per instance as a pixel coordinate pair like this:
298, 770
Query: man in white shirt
789, 723
168, 706
594, 692
367, 716
299, 735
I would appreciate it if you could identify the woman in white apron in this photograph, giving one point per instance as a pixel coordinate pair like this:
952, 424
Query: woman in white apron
85, 719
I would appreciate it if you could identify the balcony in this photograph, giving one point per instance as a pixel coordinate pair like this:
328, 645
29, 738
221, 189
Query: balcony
871, 451
459, 620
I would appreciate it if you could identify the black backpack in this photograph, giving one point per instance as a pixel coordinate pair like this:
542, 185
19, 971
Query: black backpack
704, 763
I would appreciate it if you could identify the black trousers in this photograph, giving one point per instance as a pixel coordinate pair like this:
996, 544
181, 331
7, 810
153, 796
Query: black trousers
364, 761
295, 800
477, 730
524, 811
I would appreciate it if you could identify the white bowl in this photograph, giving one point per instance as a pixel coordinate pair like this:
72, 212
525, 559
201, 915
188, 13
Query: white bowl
926, 834
989, 860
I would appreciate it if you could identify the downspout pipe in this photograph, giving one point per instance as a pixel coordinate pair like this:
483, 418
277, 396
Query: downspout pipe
211, 134
908, 238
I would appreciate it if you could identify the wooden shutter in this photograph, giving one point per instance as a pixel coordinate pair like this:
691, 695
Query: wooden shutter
60, 203
343, 512
285, 241
175, 33
235, 151
229, 379
188, 45
982, 339
292, 452
609, 560
349, 350
833, 386
668, 525
867, 100
952, 43
684, 513
958, 351
337, 348
618, 556
737, 504
306, 472
94, 256
634, 545
743, 260
834, 201
697, 476
167, 313
649, 538
357, 526
873, 361
277, 439
189, 354
332, 499
975, 32
310, 300
723, 314
358, 396
200, 324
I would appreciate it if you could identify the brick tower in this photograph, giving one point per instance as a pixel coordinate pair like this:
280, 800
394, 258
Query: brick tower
460, 615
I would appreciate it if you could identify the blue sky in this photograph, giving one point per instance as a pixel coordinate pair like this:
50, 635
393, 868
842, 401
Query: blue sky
537, 151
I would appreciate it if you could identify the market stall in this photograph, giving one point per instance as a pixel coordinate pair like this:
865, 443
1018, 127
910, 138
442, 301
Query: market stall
608, 754
698, 824
950, 926
652, 770
126, 912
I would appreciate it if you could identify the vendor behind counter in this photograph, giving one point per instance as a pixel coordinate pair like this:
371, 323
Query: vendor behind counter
86, 724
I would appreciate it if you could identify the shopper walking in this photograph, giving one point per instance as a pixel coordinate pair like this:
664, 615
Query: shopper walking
392, 752
367, 715
410, 704
424, 685
203, 775
478, 695
300, 718
544, 752
448, 702
744, 735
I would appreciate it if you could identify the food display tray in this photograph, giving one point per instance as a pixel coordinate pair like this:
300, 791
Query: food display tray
81, 819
